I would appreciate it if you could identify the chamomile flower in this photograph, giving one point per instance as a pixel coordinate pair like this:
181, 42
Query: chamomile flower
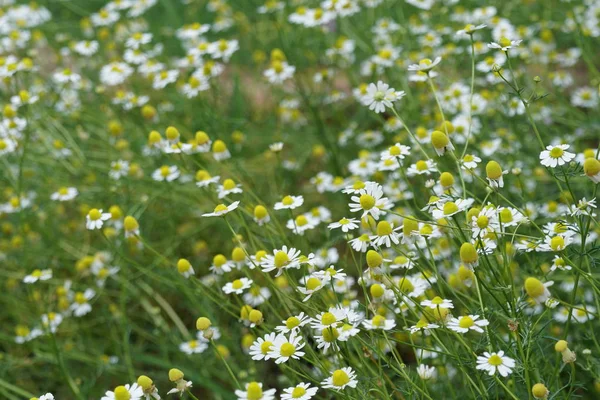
81, 305
340, 379
237, 286
437, 302
166, 173
130, 392
262, 347
425, 65
222, 209
279, 72
289, 202
345, 224
302, 391
193, 347
537, 290
426, 372
555, 156
504, 44
38, 275
466, 323
254, 391
385, 235
95, 219
285, 348
293, 323
65, 194
281, 259
493, 363
381, 96
379, 322
312, 284
370, 201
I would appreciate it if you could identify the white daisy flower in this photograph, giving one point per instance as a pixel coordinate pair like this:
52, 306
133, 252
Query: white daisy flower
283, 348
289, 202
494, 363
38, 275
237, 286
379, 322
468, 322
555, 156
380, 96
222, 209
131, 392
254, 391
64, 194
95, 219
301, 391
340, 379
262, 347
437, 302
280, 260
345, 224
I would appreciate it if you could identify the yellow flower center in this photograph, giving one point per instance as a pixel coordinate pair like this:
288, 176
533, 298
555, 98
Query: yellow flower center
121, 393
466, 322
495, 360
265, 347
367, 201
450, 208
254, 391
287, 201
340, 378
378, 320
328, 318
229, 184
298, 392
237, 284
281, 259
220, 208
287, 349
94, 214
556, 152
313, 283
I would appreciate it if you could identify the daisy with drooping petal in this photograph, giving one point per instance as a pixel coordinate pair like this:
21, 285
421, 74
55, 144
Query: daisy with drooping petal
293, 323
81, 305
283, 348
38, 275
64, 194
371, 201
345, 224
425, 65
437, 302
504, 44
95, 219
379, 322
193, 347
262, 347
468, 322
280, 259
340, 379
289, 202
555, 156
130, 392
222, 209
254, 391
237, 286
494, 363
301, 391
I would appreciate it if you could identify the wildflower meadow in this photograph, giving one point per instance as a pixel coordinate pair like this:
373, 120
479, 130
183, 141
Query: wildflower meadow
299, 199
